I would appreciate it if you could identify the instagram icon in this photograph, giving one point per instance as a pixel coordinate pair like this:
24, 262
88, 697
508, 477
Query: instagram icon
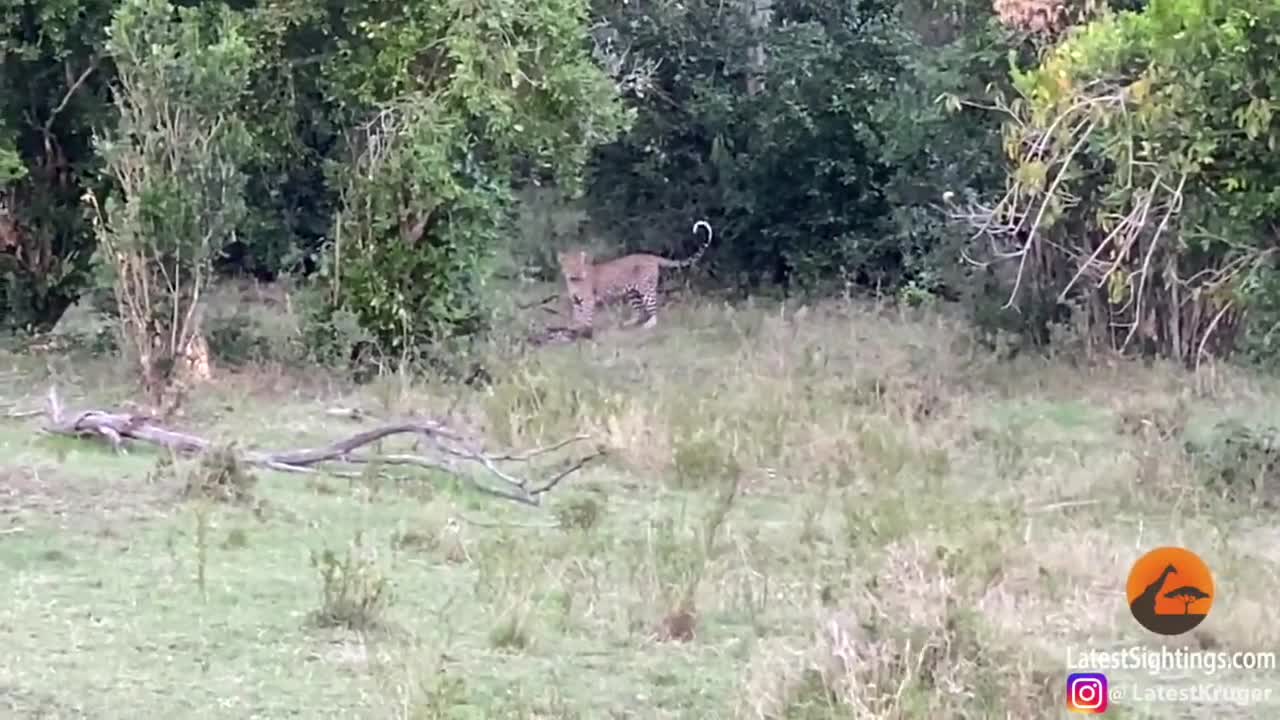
1087, 693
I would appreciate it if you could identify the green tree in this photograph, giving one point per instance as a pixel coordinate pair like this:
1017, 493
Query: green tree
175, 155
1143, 190
447, 103
53, 91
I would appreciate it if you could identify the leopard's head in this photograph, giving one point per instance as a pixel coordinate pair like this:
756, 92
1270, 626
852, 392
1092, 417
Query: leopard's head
575, 266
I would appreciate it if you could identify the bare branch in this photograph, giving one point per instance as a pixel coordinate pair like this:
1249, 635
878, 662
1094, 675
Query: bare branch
47, 128
537, 303
555, 480
1200, 353
1175, 204
523, 526
1134, 224
541, 450
1130, 221
1035, 225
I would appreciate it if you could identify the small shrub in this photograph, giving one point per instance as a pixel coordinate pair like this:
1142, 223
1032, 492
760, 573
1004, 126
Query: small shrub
912, 651
1008, 331
1239, 462
1259, 340
162, 470
511, 632
332, 335
680, 625
530, 404
580, 513
237, 539
222, 476
686, 565
877, 519
1157, 422
886, 452
354, 593
234, 340
701, 459
416, 540
437, 695
673, 558
1010, 450
809, 698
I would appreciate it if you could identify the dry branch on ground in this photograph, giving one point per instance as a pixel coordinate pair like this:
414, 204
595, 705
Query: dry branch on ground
559, 334
554, 334
454, 452
540, 303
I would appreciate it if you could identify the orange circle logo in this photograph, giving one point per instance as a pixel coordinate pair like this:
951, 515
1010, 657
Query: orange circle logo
1170, 590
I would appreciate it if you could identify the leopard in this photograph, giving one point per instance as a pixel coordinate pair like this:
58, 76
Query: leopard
191, 367
195, 360
634, 277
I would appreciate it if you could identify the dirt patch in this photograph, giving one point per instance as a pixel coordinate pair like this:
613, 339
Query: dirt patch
44, 490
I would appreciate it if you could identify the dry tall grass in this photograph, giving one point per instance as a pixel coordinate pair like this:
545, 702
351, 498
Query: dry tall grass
826, 511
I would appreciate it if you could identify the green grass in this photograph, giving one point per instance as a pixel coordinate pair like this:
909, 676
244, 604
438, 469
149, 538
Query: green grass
918, 531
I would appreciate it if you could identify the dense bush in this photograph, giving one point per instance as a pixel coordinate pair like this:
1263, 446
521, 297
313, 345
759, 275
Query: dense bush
447, 104
832, 169
1143, 185
53, 93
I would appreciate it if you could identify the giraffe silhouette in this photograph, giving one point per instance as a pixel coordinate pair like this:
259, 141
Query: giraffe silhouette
1143, 607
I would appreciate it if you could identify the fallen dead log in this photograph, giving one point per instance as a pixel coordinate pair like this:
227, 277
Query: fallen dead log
455, 452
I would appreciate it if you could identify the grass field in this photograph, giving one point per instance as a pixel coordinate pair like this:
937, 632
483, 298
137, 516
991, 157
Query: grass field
874, 518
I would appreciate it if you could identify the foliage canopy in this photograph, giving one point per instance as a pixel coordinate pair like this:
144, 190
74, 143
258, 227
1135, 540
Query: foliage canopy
1143, 172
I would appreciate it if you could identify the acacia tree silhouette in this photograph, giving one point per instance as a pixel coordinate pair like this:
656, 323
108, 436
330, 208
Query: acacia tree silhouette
1187, 594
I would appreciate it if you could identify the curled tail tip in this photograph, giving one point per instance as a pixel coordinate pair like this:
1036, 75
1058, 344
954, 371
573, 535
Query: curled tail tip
702, 223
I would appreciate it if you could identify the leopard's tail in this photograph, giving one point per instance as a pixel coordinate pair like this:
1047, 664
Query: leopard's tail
696, 256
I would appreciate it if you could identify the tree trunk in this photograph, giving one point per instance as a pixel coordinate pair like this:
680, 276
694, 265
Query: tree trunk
760, 14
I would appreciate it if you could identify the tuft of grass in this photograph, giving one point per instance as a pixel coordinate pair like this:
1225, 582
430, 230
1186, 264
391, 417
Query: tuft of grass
237, 539
1239, 462
579, 513
703, 459
202, 546
511, 632
904, 649
354, 592
416, 540
221, 475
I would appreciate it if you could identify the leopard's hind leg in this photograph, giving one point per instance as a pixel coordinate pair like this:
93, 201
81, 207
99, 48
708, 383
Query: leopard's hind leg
636, 303
648, 301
